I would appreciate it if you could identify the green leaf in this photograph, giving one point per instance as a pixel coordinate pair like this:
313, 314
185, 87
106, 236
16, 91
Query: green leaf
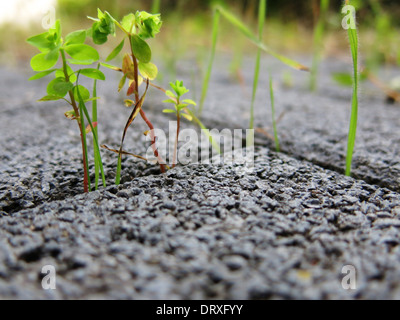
128, 22
109, 66
170, 101
115, 52
71, 74
82, 53
188, 117
141, 49
85, 94
98, 36
41, 75
50, 98
59, 87
102, 28
148, 70
42, 42
149, 24
170, 94
122, 83
92, 99
189, 101
169, 111
93, 73
76, 37
182, 106
44, 61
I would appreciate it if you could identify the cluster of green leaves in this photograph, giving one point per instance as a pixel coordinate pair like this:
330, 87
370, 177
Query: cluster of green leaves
175, 99
181, 109
137, 27
52, 47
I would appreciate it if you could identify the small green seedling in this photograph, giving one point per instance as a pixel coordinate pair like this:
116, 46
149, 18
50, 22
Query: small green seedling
65, 82
179, 111
353, 38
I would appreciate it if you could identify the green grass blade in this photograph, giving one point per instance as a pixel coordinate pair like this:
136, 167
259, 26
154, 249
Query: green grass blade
119, 169
353, 38
271, 90
318, 37
261, 20
207, 77
82, 119
250, 35
97, 156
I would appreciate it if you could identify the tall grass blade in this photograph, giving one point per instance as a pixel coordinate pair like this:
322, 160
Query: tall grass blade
84, 112
85, 149
250, 35
98, 164
261, 20
353, 38
318, 37
271, 91
207, 77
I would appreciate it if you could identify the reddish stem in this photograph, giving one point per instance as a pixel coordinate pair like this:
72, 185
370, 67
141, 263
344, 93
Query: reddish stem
143, 114
176, 141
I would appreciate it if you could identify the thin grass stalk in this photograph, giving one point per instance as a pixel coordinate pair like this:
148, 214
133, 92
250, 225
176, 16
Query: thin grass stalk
271, 91
97, 156
261, 20
353, 38
207, 77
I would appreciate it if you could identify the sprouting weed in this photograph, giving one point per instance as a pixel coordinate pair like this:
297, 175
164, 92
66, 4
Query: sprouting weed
180, 109
64, 85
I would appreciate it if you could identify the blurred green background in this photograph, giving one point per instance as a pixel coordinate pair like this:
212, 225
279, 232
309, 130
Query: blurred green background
187, 27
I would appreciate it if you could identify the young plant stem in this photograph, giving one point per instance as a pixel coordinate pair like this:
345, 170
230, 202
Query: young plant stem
97, 156
271, 90
144, 117
178, 116
146, 120
86, 183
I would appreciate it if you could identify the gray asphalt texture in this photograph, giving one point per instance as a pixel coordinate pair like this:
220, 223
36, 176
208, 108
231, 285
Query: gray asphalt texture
282, 230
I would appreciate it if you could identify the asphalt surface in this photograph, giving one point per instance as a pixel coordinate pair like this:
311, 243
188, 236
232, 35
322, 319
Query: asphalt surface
281, 229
